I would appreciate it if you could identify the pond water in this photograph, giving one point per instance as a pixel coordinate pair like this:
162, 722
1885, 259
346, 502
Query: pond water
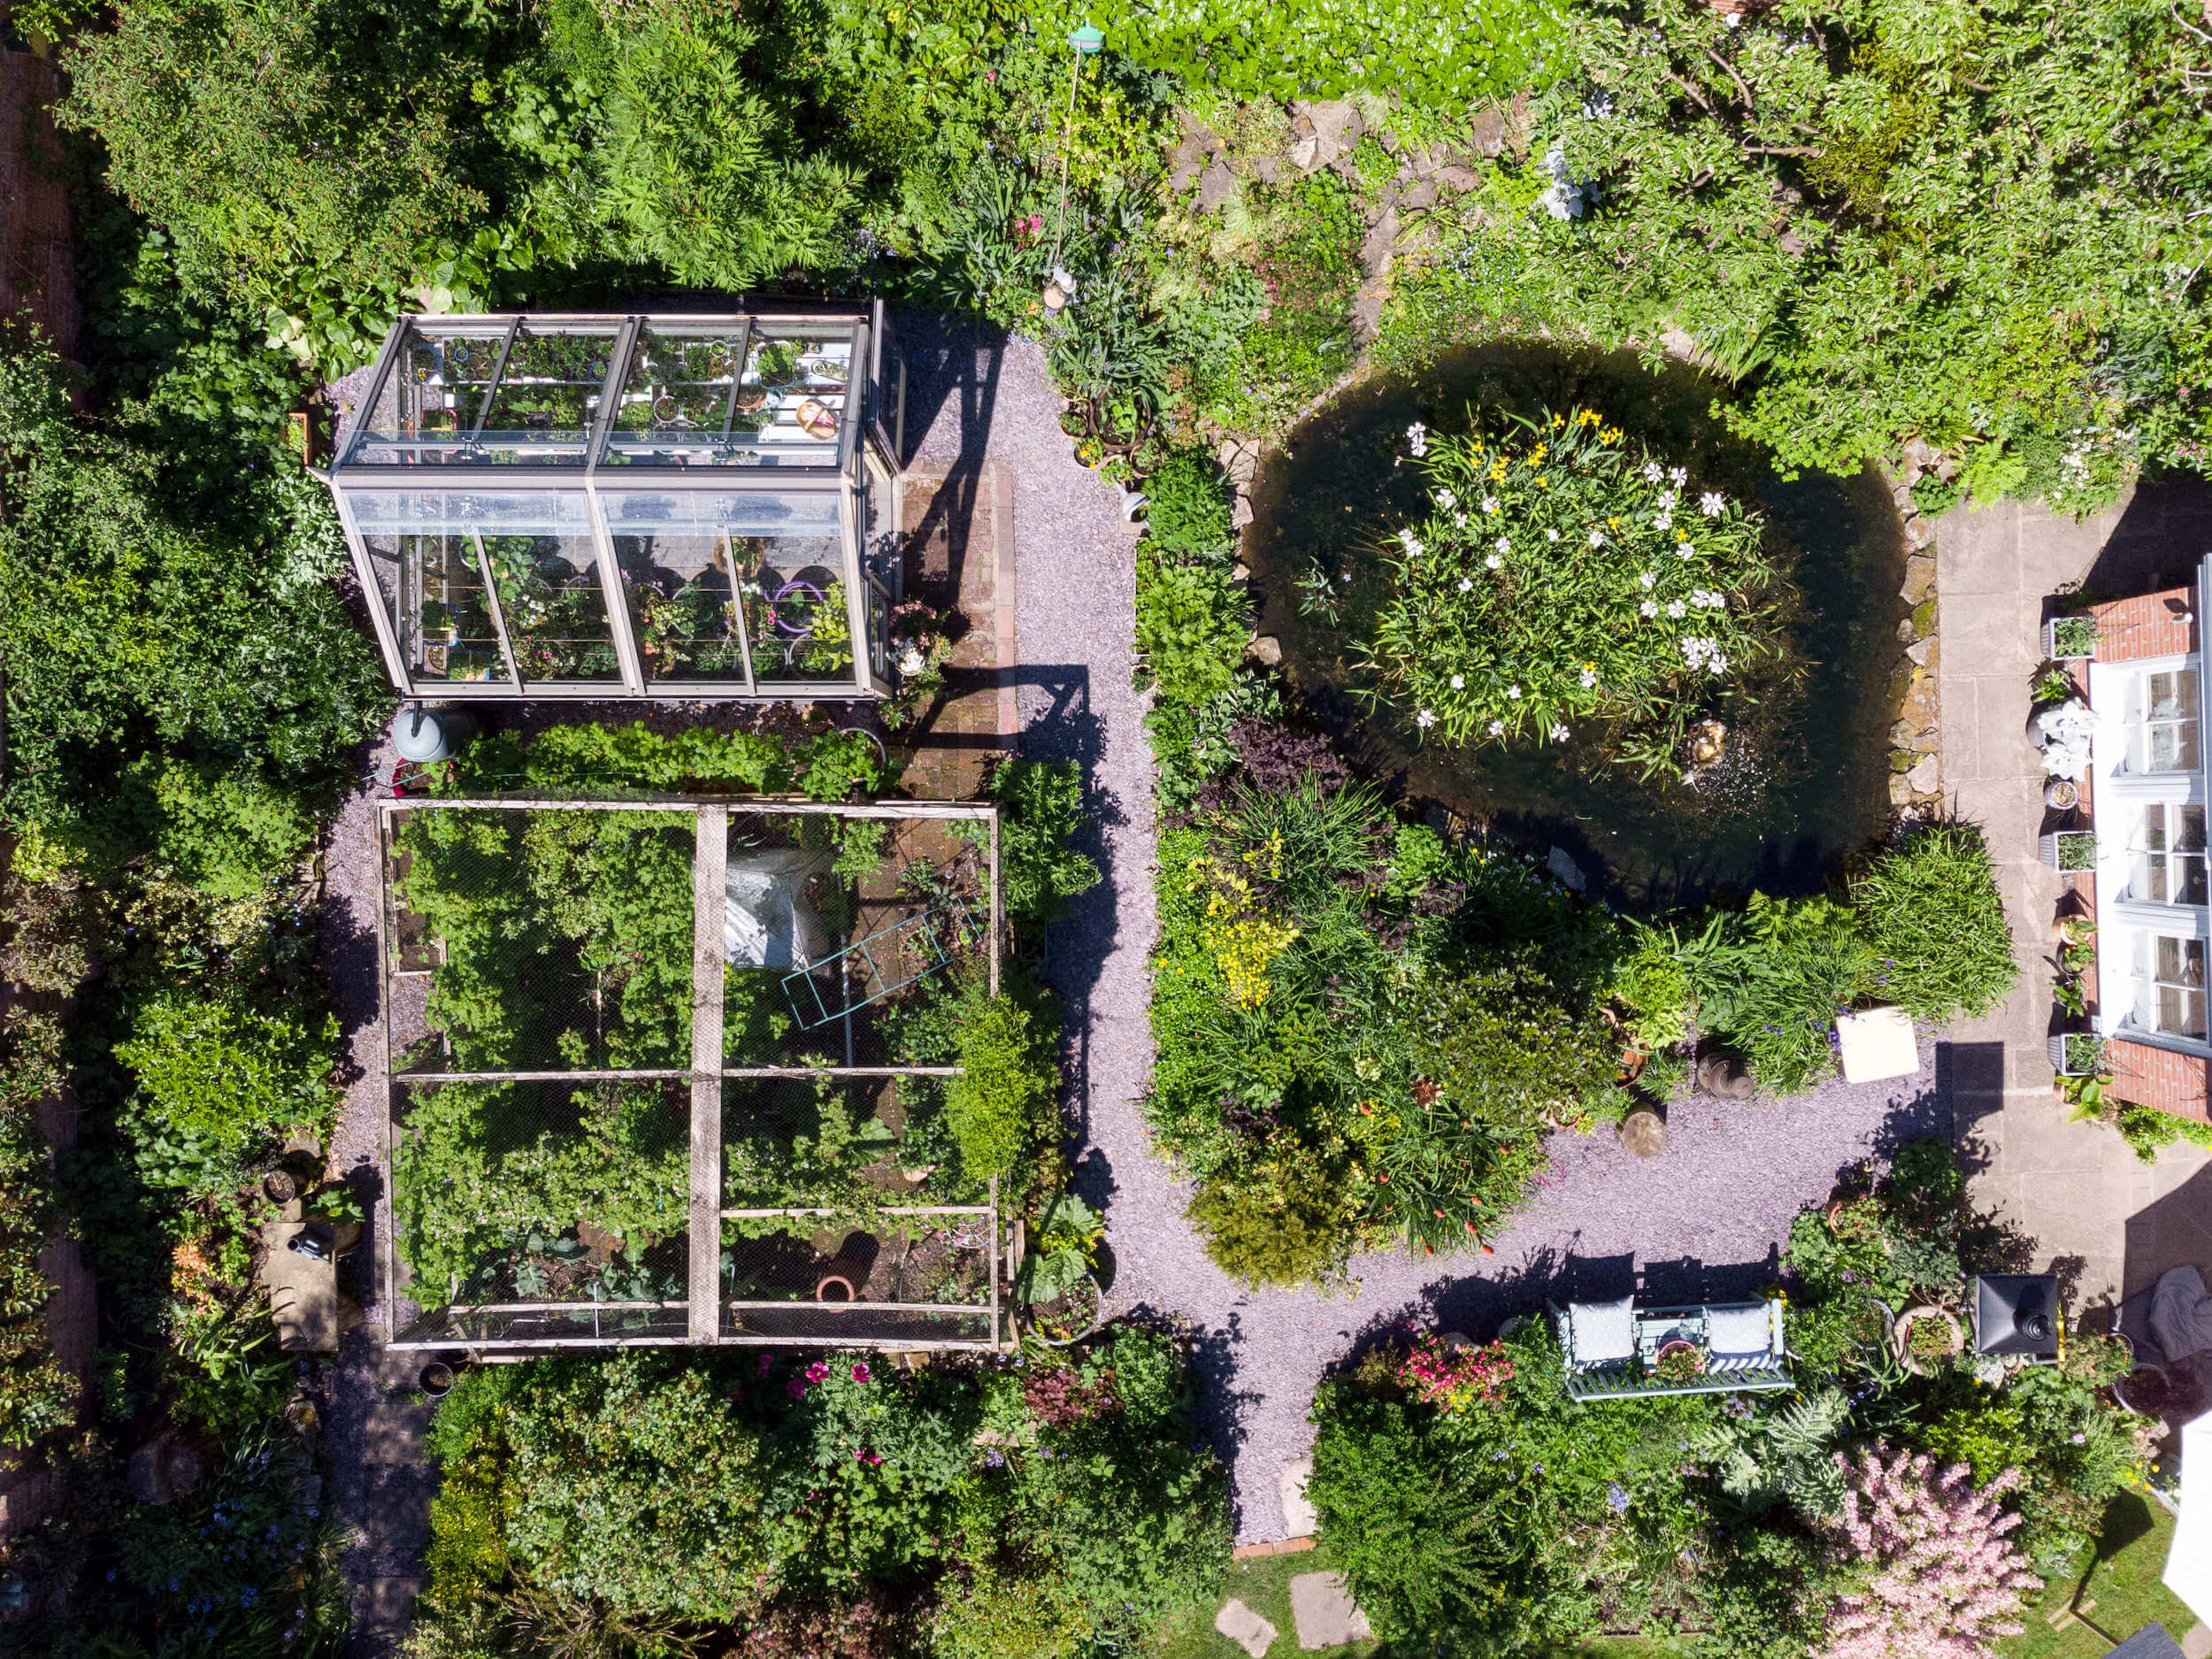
1804, 777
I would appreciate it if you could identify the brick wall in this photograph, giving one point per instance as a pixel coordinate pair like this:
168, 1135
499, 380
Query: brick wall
2155, 624
2147, 1076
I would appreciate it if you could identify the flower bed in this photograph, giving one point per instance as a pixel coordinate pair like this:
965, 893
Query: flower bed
1558, 577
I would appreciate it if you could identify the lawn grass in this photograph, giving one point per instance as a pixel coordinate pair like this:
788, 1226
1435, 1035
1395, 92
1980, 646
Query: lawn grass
1263, 1586
2121, 1578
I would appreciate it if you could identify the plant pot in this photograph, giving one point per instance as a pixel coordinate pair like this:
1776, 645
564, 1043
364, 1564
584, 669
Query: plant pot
2061, 794
436, 1379
2071, 852
1076, 1315
2076, 1054
1679, 1361
1901, 1337
2069, 639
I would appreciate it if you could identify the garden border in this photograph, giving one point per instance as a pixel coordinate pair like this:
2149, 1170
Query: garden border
706, 1313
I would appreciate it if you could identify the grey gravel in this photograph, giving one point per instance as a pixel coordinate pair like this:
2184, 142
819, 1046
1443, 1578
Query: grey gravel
1706, 1217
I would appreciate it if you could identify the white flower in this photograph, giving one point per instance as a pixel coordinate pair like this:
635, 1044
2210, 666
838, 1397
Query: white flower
1418, 439
1466, 584
911, 661
1459, 682
1492, 562
1412, 543
1648, 609
1513, 694
1710, 504
1489, 503
1558, 733
1459, 519
1504, 544
1497, 728
1597, 538
1445, 498
1653, 471
1647, 580
1551, 535
1589, 678
1665, 520
1677, 476
1425, 719
1675, 607
1683, 549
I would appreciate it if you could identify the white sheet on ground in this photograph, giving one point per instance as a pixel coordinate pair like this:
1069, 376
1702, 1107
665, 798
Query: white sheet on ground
768, 922
2181, 1313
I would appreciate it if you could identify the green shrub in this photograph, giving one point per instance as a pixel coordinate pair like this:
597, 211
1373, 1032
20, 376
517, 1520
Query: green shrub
288, 167
1192, 627
220, 1080
587, 756
196, 650
1187, 505
1009, 1085
1935, 925
1042, 811
701, 171
1770, 979
1275, 1223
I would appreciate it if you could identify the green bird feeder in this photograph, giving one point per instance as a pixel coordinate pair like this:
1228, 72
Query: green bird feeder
1087, 39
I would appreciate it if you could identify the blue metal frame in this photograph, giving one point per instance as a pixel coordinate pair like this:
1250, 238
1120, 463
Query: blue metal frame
964, 931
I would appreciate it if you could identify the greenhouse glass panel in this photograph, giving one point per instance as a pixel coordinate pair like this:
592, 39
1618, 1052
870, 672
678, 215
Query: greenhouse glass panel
557, 615
546, 397
795, 612
434, 590
678, 405
797, 384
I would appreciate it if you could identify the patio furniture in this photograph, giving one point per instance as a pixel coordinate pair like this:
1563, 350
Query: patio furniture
1611, 1347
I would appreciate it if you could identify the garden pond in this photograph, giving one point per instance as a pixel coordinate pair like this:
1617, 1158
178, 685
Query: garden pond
1802, 780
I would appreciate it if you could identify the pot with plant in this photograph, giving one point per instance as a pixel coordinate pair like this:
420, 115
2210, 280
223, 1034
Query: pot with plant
1054, 1284
2061, 794
1925, 1337
2069, 639
2071, 852
2076, 1054
1678, 1362
338, 1206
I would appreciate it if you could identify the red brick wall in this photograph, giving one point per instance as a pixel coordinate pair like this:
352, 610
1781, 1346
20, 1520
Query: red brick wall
2158, 1077
2155, 624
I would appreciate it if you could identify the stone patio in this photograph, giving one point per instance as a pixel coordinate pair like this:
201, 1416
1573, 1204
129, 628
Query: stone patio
2105, 1221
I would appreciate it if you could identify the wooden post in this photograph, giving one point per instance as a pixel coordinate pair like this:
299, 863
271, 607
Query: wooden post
709, 899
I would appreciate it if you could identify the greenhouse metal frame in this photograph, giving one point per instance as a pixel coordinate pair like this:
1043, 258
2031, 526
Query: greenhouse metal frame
707, 1313
731, 478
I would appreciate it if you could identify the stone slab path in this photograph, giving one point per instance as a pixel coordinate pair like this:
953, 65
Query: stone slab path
1706, 1215
2105, 1219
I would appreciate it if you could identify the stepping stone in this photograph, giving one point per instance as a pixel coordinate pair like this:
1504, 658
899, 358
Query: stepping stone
1324, 1611
1241, 1626
1299, 1520
2196, 1643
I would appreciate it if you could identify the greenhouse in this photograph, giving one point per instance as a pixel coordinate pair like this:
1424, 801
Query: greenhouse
674, 1072
672, 506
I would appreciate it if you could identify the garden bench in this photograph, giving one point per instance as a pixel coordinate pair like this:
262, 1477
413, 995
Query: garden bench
1611, 1347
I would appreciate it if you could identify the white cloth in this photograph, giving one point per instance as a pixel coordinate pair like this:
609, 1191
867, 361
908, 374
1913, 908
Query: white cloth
2189, 1561
768, 922
2062, 734
2181, 1314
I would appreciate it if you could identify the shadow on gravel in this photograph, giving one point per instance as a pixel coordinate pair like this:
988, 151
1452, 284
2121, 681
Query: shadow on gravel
949, 361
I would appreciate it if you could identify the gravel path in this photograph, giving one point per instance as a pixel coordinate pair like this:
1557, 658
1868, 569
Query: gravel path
1707, 1217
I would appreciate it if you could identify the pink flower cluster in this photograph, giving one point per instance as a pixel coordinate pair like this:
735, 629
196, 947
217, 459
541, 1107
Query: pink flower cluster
1946, 1578
1451, 1377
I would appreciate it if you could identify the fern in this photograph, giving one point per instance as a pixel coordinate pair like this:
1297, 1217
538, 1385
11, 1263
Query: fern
1784, 1457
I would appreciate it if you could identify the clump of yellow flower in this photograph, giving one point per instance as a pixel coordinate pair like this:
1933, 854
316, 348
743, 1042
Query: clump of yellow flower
1244, 939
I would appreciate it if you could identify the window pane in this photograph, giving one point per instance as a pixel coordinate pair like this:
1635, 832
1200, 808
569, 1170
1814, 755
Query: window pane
677, 404
429, 405
2181, 1013
794, 609
546, 397
682, 605
2189, 828
2155, 828
556, 618
2188, 879
448, 631
795, 386
2180, 961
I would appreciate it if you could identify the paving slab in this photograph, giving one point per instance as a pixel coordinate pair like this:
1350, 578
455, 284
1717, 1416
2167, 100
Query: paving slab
1299, 1519
303, 1293
1241, 1626
1325, 1613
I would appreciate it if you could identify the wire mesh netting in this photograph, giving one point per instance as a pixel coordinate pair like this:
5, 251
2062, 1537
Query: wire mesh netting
838, 934
546, 965
545, 940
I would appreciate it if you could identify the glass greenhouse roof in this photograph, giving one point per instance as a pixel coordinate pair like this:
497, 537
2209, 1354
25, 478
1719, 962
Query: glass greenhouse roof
728, 480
